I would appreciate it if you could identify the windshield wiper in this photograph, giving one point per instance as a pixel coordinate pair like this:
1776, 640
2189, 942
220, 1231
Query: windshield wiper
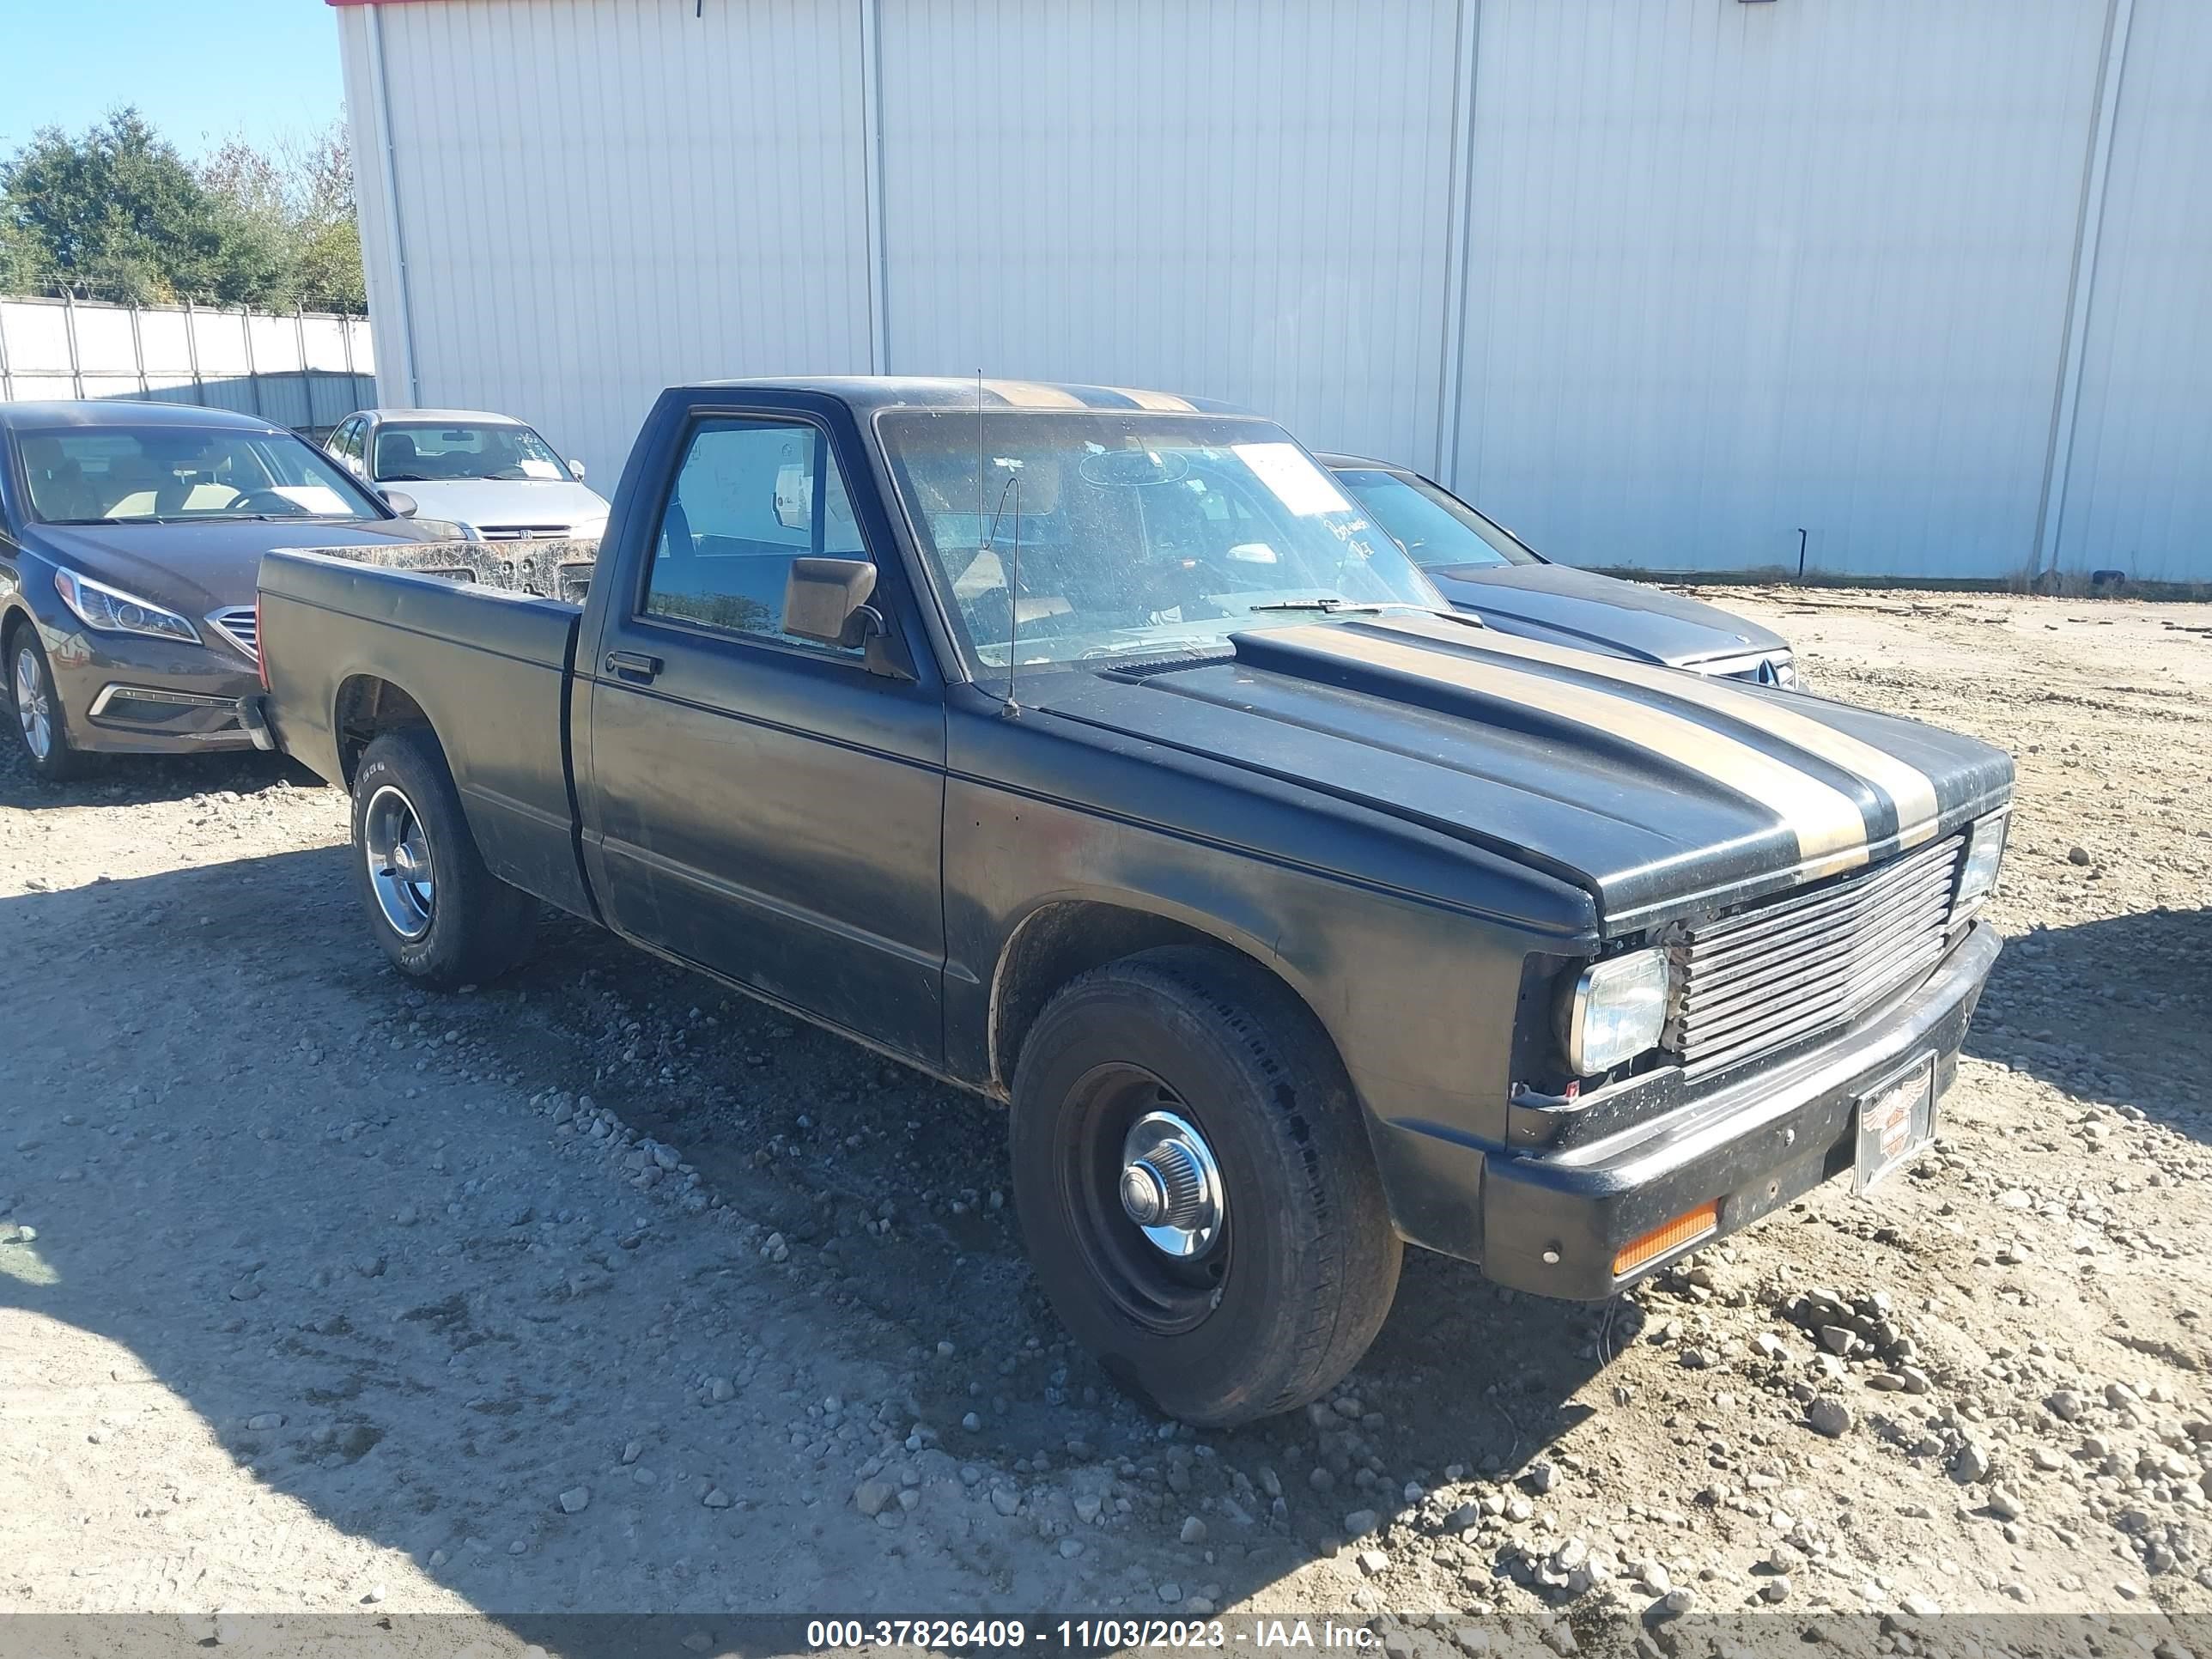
1334, 607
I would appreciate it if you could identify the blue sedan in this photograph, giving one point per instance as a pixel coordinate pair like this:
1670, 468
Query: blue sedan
1481, 567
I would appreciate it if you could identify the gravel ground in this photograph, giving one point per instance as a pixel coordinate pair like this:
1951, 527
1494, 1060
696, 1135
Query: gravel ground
602, 1290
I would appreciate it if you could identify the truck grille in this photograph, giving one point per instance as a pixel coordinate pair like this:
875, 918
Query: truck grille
242, 627
1783, 971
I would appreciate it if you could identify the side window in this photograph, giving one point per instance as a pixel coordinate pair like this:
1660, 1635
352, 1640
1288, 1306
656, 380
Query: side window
347, 445
750, 496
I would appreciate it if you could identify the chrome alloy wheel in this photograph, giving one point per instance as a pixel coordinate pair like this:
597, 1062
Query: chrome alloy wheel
33, 710
399, 868
1170, 1186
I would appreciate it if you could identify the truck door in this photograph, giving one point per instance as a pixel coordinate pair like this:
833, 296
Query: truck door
759, 804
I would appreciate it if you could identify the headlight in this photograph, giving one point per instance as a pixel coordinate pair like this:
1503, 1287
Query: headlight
110, 611
1616, 1012
1985, 852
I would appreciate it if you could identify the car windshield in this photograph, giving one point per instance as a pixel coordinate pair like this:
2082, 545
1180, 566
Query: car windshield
1098, 535
179, 474
430, 452
1430, 522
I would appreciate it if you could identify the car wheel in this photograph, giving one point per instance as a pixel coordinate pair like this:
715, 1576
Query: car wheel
1195, 1186
38, 709
443, 917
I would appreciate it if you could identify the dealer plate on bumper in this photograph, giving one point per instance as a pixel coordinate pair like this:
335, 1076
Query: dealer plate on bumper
1895, 1121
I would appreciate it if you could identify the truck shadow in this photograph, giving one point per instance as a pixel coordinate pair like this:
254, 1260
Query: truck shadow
2118, 1009
209, 1176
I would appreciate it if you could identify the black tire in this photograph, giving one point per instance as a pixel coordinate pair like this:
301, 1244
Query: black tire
27, 657
461, 926
1287, 1293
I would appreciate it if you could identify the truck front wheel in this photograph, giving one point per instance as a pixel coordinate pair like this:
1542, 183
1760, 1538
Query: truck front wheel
443, 917
1195, 1187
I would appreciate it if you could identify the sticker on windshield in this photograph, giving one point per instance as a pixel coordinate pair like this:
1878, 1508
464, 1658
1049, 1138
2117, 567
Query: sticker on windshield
1293, 478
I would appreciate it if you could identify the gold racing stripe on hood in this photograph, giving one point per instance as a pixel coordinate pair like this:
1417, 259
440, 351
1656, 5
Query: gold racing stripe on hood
1830, 830
1909, 788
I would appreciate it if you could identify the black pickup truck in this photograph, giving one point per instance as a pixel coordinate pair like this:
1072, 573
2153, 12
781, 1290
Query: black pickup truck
1089, 749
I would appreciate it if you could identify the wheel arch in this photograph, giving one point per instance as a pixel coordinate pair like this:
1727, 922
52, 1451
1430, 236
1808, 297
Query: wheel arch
15, 616
367, 706
1065, 937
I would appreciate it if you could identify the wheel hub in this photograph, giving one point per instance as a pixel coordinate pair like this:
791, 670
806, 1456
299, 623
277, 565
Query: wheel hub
399, 865
31, 707
1170, 1187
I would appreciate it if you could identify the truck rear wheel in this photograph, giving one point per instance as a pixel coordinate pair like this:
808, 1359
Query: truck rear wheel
1195, 1187
443, 917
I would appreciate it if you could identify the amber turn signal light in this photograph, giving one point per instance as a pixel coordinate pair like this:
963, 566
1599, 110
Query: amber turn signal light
1705, 1218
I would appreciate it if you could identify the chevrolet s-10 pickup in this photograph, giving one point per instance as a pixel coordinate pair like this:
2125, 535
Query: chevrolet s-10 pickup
1091, 749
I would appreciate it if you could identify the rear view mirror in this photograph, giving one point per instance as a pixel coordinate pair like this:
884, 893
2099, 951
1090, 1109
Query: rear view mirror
400, 502
827, 600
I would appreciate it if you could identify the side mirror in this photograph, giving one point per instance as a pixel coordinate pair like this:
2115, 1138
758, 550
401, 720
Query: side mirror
575, 469
827, 600
400, 502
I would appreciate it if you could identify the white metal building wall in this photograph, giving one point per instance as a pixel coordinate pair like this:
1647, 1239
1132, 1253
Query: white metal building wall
1659, 281
598, 199
1736, 270
2138, 477
1245, 199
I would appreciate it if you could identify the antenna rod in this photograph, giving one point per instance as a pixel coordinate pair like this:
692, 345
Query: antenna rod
1014, 598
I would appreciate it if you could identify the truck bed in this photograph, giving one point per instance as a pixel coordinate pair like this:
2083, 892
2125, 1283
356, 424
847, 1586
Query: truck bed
546, 570
486, 662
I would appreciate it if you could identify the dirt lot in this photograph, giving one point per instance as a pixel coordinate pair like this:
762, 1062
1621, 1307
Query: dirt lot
602, 1290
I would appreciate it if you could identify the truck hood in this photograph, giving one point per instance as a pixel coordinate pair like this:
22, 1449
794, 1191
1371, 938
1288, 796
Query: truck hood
199, 567
1658, 790
497, 503
1601, 613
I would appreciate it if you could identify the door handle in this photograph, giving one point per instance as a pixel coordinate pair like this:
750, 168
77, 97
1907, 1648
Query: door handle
634, 666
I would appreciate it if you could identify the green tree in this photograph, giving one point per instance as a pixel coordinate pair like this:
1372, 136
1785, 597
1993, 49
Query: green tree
18, 273
112, 215
287, 219
117, 214
318, 174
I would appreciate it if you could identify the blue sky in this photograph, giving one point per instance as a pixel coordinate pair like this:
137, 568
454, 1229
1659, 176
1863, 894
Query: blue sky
199, 70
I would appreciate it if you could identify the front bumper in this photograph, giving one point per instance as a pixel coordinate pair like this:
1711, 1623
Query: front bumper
128, 694
1552, 1220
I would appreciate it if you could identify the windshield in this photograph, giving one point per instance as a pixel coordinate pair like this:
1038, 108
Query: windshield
1129, 535
427, 451
176, 474
1431, 523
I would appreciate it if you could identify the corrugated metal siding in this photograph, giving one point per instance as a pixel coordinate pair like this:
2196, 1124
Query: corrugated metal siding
2138, 495
1738, 269
598, 199
1242, 200
1729, 270
299, 374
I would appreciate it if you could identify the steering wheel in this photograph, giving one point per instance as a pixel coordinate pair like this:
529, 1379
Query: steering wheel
1179, 581
263, 500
